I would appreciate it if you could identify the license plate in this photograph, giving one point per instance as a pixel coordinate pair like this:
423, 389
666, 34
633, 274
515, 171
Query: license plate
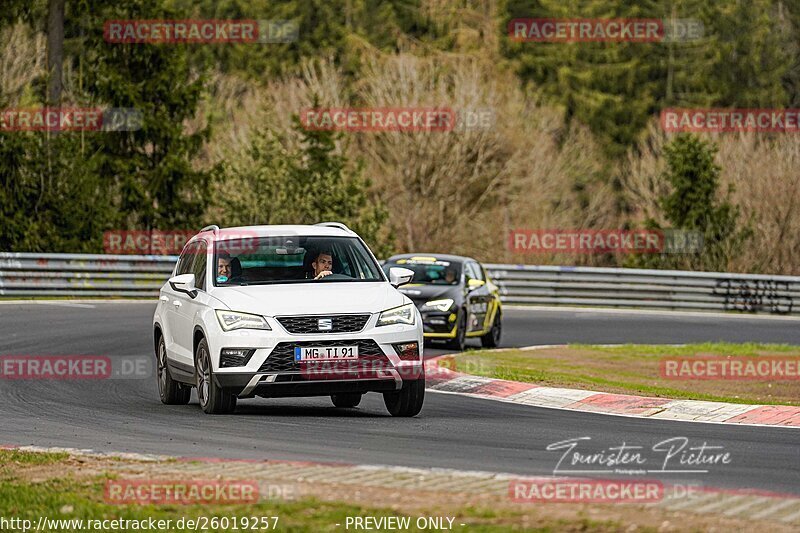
325, 353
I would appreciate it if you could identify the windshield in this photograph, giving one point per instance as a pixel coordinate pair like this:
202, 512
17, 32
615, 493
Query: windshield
431, 272
293, 259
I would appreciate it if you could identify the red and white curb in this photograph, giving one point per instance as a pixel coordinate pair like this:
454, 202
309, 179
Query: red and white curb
441, 379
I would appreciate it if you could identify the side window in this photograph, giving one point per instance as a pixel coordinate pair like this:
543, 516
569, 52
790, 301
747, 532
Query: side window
478, 271
199, 265
185, 260
342, 260
471, 271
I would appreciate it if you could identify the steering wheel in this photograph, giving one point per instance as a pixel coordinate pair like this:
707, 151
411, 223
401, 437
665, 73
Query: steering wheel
335, 276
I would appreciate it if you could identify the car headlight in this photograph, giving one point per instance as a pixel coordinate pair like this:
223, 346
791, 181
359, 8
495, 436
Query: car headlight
230, 320
399, 315
439, 305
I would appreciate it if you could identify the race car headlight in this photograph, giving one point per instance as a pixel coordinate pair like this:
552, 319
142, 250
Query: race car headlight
439, 305
399, 315
230, 320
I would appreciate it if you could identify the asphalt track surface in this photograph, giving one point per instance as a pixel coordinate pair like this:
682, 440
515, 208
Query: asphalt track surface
452, 431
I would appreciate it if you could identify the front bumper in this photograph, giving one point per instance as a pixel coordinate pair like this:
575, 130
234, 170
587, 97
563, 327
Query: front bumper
291, 385
273, 372
439, 325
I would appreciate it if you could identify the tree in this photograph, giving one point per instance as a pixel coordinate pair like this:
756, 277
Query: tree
332, 189
693, 204
615, 88
149, 170
56, 205
269, 184
55, 50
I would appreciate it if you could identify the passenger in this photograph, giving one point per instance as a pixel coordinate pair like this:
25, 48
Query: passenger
223, 266
323, 264
450, 276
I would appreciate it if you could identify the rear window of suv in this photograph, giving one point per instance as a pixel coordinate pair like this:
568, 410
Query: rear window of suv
289, 259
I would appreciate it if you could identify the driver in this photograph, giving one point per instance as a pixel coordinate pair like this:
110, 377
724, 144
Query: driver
450, 276
322, 264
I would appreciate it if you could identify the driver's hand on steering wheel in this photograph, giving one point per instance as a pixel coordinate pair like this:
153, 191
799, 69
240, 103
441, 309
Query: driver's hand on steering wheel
323, 274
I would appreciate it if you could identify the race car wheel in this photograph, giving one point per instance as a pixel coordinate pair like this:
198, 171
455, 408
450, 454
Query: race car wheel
213, 400
408, 400
170, 391
492, 338
348, 399
460, 339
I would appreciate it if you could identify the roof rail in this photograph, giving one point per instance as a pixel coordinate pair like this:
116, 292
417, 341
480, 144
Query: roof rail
339, 225
212, 227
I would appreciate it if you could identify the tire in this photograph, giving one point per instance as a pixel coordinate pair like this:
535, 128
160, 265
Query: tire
408, 400
492, 337
347, 399
170, 391
460, 340
213, 400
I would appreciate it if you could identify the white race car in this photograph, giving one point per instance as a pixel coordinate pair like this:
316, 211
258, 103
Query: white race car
278, 311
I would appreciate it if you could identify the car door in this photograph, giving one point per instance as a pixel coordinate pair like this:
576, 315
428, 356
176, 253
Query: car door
493, 297
185, 307
167, 298
477, 298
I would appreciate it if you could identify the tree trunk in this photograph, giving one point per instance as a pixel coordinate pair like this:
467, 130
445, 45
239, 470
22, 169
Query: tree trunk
55, 51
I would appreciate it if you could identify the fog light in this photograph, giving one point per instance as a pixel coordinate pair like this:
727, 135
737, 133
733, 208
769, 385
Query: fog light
407, 351
230, 357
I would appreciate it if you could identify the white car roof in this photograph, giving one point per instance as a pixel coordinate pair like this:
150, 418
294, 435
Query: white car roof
304, 230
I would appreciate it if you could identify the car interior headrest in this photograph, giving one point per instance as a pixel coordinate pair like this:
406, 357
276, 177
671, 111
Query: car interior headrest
236, 267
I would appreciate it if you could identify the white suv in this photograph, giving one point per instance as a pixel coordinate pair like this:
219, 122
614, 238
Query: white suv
247, 312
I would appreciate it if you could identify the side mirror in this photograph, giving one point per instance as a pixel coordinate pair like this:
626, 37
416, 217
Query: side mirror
475, 284
183, 283
400, 276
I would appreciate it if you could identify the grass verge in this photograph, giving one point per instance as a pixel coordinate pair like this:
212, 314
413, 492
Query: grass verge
34, 485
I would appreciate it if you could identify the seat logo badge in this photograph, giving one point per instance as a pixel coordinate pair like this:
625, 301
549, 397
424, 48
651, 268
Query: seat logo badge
325, 324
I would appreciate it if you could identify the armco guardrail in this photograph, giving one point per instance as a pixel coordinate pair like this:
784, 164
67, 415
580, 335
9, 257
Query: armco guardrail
69, 275
638, 288
30, 274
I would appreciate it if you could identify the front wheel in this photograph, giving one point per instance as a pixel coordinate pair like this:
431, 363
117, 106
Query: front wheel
408, 400
347, 399
170, 391
213, 400
460, 340
492, 338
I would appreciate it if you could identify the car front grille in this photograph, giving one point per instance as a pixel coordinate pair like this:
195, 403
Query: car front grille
310, 324
370, 357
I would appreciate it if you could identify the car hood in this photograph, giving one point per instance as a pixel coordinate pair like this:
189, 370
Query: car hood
421, 293
311, 298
